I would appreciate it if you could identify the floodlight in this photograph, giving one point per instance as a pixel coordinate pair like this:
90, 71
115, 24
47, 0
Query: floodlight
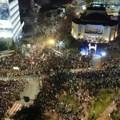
84, 7
51, 42
103, 54
61, 44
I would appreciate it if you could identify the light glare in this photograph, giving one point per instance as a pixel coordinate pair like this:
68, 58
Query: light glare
103, 54
51, 42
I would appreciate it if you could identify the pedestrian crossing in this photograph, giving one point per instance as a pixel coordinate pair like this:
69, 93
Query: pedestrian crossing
16, 107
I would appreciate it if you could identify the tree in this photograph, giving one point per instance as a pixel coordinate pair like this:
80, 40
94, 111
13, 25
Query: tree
3, 44
89, 1
27, 28
70, 42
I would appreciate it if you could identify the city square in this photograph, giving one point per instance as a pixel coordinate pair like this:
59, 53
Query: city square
59, 60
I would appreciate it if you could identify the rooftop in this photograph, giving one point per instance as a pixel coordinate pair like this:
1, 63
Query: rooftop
96, 17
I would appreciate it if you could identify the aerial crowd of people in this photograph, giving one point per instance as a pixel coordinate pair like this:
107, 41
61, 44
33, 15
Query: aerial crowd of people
9, 91
61, 82
81, 86
69, 84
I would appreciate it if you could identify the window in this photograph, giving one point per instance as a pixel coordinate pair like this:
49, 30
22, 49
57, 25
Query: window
4, 11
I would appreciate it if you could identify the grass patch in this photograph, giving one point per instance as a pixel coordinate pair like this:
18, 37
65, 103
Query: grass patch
47, 117
71, 100
104, 99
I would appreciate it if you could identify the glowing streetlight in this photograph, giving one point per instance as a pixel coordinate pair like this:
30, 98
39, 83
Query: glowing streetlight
51, 42
84, 7
103, 54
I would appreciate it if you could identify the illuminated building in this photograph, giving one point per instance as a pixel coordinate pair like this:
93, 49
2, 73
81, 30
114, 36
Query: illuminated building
10, 24
95, 26
106, 1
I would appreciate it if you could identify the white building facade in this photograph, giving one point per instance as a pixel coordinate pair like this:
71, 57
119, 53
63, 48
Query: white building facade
10, 24
107, 1
94, 33
95, 26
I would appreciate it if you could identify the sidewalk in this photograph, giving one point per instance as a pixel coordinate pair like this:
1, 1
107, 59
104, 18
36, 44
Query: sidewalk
106, 114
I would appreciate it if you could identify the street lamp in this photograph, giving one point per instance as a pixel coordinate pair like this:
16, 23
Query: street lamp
51, 42
103, 54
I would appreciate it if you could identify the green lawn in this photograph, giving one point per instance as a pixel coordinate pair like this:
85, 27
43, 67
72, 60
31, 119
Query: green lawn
104, 99
70, 99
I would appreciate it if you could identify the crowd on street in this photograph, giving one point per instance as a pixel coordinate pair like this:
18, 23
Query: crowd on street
64, 94
9, 91
81, 86
19, 65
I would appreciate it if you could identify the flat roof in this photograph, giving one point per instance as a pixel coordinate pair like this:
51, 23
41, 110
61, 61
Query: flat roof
105, 23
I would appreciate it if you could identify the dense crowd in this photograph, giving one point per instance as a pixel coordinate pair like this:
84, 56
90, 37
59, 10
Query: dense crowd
81, 86
36, 64
9, 91
47, 62
60, 82
111, 63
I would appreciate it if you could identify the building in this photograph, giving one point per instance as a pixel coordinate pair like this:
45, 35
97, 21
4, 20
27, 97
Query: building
107, 1
112, 7
10, 24
95, 26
